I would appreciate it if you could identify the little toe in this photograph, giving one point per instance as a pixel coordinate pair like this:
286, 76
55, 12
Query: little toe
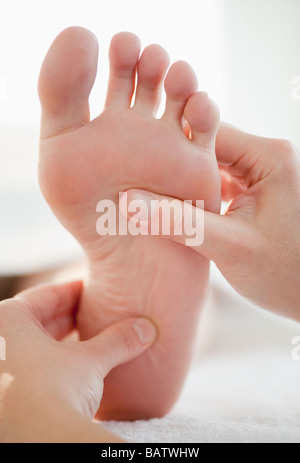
180, 83
203, 117
66, 79
123, 55
152, 68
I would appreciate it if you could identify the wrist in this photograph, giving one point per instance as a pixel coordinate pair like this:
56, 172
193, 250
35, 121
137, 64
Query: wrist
53, 422
29, 417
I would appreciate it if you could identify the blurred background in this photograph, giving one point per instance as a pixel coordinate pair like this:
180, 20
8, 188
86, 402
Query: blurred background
246, 55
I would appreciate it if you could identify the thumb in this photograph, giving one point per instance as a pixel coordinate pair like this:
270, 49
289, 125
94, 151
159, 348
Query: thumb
212, 235
120, 343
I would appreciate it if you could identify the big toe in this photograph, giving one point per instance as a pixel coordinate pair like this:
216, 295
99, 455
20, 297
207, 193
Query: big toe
66, 79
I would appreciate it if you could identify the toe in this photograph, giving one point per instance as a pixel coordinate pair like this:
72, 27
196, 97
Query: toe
152, 68
180, 84
123, 55
203, 117
66, 79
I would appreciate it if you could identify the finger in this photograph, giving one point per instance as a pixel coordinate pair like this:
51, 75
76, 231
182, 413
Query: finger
212, 235
120, 343
231, 187
50, 302
61, 327
246, 156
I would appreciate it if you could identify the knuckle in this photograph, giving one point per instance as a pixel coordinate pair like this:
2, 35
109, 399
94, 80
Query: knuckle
284, 148
286, 156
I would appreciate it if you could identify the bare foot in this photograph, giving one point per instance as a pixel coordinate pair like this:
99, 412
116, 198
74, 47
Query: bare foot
83, 161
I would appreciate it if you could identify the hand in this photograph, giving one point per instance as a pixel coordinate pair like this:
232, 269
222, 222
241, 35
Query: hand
256, 244
50, 390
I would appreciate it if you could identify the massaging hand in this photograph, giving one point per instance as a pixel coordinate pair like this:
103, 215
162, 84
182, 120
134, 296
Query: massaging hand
256, 244
50, 390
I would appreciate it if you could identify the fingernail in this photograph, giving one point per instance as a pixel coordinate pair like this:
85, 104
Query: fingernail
147, 204
145, 330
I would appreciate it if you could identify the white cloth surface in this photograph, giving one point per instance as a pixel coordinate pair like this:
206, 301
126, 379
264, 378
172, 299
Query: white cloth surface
243, 385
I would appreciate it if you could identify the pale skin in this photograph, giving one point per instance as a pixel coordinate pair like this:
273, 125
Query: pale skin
256, 244
50, 390
255, 253
42, 413
83, 162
